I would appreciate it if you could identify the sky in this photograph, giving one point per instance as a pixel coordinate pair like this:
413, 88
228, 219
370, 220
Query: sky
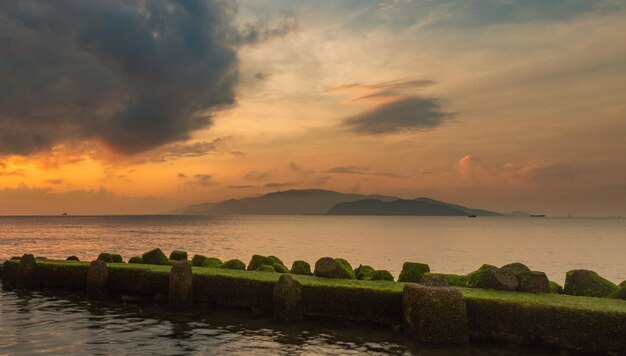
123, 107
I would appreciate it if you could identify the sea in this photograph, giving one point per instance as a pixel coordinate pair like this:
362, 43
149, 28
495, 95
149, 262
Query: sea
53, 322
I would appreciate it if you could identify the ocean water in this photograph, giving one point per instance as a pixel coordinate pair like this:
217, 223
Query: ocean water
58, 323
447, 244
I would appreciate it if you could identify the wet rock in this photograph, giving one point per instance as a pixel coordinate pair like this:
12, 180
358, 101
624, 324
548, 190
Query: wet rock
26, 271
301, 267
181, 285
234, 264
364, 272
135, 259
516, 268
620, 293
275, 262
329, 268
555, 288
587, 283
116, 258
155, 257
491, 277
203, 261
382, 275
287, 299
413, 272
346, 265
434, 281
106, 257
435, 315
266, 268
178, 255
533, 282
97, 280
72, 258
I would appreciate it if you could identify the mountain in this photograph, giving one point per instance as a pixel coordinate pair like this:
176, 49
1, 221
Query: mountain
417, 207
290, 202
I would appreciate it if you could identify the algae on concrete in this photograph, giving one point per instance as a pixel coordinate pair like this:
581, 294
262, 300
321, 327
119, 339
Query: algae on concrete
266, 268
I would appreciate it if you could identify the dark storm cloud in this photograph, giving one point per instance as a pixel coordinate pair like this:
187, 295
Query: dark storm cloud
408, 114
133, 74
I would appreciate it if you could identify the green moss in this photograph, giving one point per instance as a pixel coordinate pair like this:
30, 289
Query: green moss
413, 272
257, 260
72, 258
555, 288
116, 258
276, 260
455, 280
234, 264
301, 267
620, 293
346, 265
155, 257
266, 268
178, 255
382, 275
15, 258
203, 261
364, 272
587, 283
280, 268
492, 277
106, 257
135, 259
516, 268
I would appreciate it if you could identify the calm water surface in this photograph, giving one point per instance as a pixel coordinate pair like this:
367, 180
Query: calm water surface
447, 244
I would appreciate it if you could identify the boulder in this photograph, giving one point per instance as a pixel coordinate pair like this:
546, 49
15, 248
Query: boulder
26, 271
116, 258
587, 283
234, 264
287, 296
455, 280
620, 293
382, 275
155, 257
72, 258
181, 285
346, 265
266, 268
435, 315
178, 255
203, 261
97, 280
533, 282
516, 268
280, 268
431, 280
276, 260
106, 257
328, 267
364, 272
301, 267
491, 277
413, 272
15, 258
135, 259
257, 260
555, 288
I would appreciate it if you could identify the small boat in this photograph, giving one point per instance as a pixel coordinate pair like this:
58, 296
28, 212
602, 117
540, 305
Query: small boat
471, 216
537, 215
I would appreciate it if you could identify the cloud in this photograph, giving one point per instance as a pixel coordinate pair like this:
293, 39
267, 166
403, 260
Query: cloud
277, 185
405, 115
181, 175
244, 186
395, 89
348, 170
203, 179
541, 172
469, 166
256, 176
54, 181
133, 75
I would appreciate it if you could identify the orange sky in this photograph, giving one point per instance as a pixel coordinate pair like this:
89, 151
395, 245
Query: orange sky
503, 111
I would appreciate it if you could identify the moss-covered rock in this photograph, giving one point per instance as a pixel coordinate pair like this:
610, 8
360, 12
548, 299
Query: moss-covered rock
257, 260
587, 283
135, 259
26, 271
155, 257
72, 258
555, 288
15, 258
382, 275
455, 280
266, 268
203, 261
287, 297
234, 264
435, 315
276, 260
413, 272
280, 268
116, 258
364, 272
491, 277
178, 255
620, 293
623, 284
106, 257
432, 280
516, 268
346, 265
329, 267
301, 268
533, 282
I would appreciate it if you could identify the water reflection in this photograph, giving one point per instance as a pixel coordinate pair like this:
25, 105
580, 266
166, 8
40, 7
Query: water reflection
57, 322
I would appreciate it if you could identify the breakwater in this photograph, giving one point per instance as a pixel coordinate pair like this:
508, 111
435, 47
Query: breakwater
426, 314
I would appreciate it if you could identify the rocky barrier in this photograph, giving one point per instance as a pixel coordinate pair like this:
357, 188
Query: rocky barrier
423, 305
